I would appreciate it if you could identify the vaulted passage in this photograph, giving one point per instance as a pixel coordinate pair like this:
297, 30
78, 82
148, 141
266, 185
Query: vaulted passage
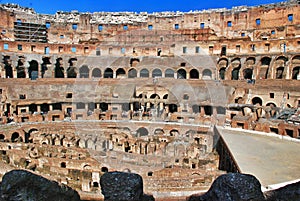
144, 73
181, 74
84, 72
156, 73
33, 70
132, 73
194, 74
169, 73
96, 73
108, 73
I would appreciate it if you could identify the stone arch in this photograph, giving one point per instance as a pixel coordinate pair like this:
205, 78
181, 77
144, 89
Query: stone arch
296, 73
59, 69
257, 101
96, 73
2, 137
159, 131
196, 109
156, 73
250, 61
153, 96
169, 73
174, 132
108, 73
222, 73
239, 100
120, 72
33, 69
104, 169
15, 137
279, 72
206, 74
264, 67
235, 73
72, 70
134, 62
223, 63
142, 131
21, 70
194, 74
181, 73
248, 73
144, 72
132, 73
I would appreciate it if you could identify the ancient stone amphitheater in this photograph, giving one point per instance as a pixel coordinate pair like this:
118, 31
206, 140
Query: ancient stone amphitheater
86, 93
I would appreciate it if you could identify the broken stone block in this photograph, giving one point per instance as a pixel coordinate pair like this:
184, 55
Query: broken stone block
233, 187
21, 185
123, 186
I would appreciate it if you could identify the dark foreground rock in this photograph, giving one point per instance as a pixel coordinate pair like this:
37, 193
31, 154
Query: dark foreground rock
233, 187
287, 193
123, 186
21, 185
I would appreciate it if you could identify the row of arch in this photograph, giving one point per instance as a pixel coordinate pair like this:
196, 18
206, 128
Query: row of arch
266, 68
84, 72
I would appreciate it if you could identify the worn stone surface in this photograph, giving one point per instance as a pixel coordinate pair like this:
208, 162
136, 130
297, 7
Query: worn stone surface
286, 193
123, 186
21, 185
233, 187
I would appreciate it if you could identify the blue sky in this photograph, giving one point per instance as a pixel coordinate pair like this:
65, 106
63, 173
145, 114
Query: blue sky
51, 6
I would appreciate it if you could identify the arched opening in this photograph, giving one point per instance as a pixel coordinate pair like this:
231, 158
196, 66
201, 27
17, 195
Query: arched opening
248, 73
181, 74
103, 107
250, 61
142, 132
174, 132
2, 138
108, 73
235, 73
96, 73
120, 72
257, 101
59, 69
153, 96
33, 70
239, 100
45, 108
132, 73
63, 165
144, 73
222, 73
159, 131
165, 96
33, 108
72, 70
207, 74
194, 74
296, 73
156, 73
134, 62
84, 72
196, 109
265, 64
104, 169
91, 108
21, 72
15, 137
173, 108
279, 72
95, 184
169, 73
223, 63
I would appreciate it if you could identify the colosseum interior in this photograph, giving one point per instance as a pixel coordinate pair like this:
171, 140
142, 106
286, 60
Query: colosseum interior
86, 93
